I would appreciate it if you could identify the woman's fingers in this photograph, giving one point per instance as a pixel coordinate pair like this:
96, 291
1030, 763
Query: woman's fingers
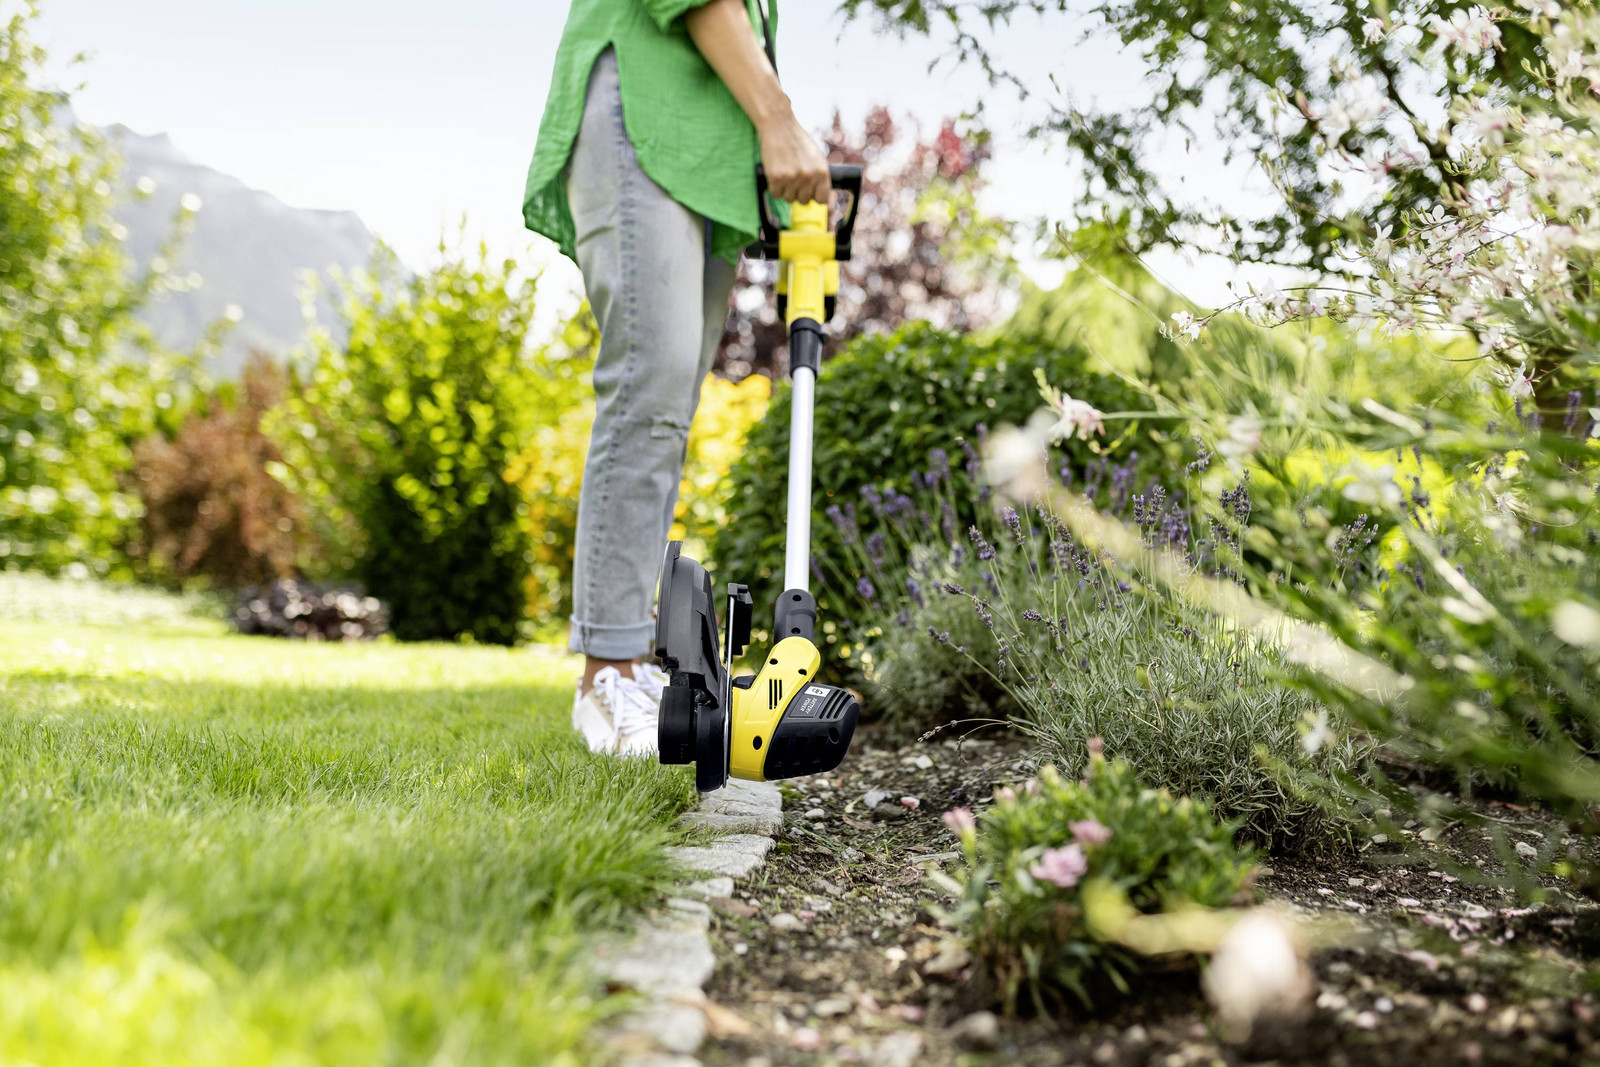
797, 170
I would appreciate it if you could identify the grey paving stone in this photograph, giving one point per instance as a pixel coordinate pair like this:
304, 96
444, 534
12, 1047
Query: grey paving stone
708, 889
669, 959
758, 822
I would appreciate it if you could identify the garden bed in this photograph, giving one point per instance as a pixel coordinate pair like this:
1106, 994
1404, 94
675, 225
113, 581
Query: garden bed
831, 954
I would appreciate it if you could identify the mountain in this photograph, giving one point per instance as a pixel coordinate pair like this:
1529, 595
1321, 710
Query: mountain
250, 249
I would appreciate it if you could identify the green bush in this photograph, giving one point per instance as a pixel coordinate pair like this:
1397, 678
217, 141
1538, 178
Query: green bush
1051, 869
883, 405
402, 438
73, 393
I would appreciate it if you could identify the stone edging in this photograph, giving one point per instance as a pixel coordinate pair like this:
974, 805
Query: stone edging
668, 959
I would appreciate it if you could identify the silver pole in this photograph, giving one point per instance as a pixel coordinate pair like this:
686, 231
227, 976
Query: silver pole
797, 553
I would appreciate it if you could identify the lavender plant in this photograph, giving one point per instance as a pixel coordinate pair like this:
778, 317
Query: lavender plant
1015, 617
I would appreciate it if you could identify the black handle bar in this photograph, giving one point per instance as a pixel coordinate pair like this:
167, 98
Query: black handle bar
846, 177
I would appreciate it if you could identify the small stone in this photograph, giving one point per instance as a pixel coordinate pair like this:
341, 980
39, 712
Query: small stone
806, 915
951, 958
1106, 1052
740, 949
910, 802
1380, 839
900, 1049
785, 923
922, 763
1409, 902
894, 954
978, 1032
1526, 851
1477, 1003
874, 797
736, 909
1354, 883
851, 855
1136, 1035
1384, 1005
806, 1039
816, 813
1324, 892
830, 889
911, 1013
827, 1009
1366, 1020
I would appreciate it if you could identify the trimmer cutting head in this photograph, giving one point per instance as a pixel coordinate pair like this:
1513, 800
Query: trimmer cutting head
779, 723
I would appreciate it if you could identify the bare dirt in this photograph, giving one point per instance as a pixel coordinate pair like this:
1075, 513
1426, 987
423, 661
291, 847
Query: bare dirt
831, 955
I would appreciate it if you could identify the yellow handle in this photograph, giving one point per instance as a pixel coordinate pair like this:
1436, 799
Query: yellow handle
807, 272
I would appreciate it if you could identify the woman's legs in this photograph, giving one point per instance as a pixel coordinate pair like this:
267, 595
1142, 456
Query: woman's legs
661, 302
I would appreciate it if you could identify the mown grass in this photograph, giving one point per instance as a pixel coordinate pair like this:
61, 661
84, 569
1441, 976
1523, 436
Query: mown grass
217, 849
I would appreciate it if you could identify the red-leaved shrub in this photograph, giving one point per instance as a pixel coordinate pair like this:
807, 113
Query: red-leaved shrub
212, 509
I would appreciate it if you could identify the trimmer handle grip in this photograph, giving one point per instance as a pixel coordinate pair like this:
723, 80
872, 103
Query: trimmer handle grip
846, 177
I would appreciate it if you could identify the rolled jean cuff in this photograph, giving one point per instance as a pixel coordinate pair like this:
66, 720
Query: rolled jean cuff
612, 642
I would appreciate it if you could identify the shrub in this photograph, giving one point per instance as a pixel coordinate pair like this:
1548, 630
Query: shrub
403, 438
1016, 616
1047, 863
288, 608
211, 509
73, 397
1468, 650
882, 405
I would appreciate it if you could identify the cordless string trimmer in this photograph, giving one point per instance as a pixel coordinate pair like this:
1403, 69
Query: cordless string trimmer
780, 722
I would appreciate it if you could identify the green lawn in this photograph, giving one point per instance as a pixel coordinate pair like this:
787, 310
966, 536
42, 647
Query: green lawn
216, 849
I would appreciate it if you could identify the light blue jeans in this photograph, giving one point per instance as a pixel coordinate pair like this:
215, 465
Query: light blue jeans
661, 301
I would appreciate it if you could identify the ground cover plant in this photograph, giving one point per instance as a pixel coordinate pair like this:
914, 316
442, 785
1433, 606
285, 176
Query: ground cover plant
235, 850
1056, 869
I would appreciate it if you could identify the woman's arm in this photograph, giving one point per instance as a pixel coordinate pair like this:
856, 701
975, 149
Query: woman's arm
796, 168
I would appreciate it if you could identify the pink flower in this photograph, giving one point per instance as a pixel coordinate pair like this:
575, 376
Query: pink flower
1090, 832
1005, 795
960, 822
1061, 866
1097, 748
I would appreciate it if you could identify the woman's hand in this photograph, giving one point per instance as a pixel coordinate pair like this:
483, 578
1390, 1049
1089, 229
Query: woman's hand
796, 168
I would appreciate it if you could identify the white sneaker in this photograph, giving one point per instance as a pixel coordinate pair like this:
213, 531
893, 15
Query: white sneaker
618, 714
592, 717
653, 678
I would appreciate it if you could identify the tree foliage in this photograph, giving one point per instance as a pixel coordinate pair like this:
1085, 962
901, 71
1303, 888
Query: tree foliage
74, 391
1248, 77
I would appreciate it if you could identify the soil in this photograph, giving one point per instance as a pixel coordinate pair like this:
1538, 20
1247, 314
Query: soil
830, 953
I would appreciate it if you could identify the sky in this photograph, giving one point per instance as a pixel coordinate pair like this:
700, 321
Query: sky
417, 115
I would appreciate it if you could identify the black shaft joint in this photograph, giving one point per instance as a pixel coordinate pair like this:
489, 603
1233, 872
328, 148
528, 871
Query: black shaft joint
805, 345
796, 616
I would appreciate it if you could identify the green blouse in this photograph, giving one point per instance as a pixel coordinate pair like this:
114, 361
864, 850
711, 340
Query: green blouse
692, 138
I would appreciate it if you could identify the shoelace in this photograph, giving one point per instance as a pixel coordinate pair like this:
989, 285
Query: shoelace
652, 678
632, 708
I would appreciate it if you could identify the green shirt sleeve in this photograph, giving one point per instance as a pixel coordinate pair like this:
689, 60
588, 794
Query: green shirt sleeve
665, 12
691, 137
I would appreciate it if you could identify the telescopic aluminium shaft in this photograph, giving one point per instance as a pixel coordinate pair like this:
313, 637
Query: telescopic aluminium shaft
797, 551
